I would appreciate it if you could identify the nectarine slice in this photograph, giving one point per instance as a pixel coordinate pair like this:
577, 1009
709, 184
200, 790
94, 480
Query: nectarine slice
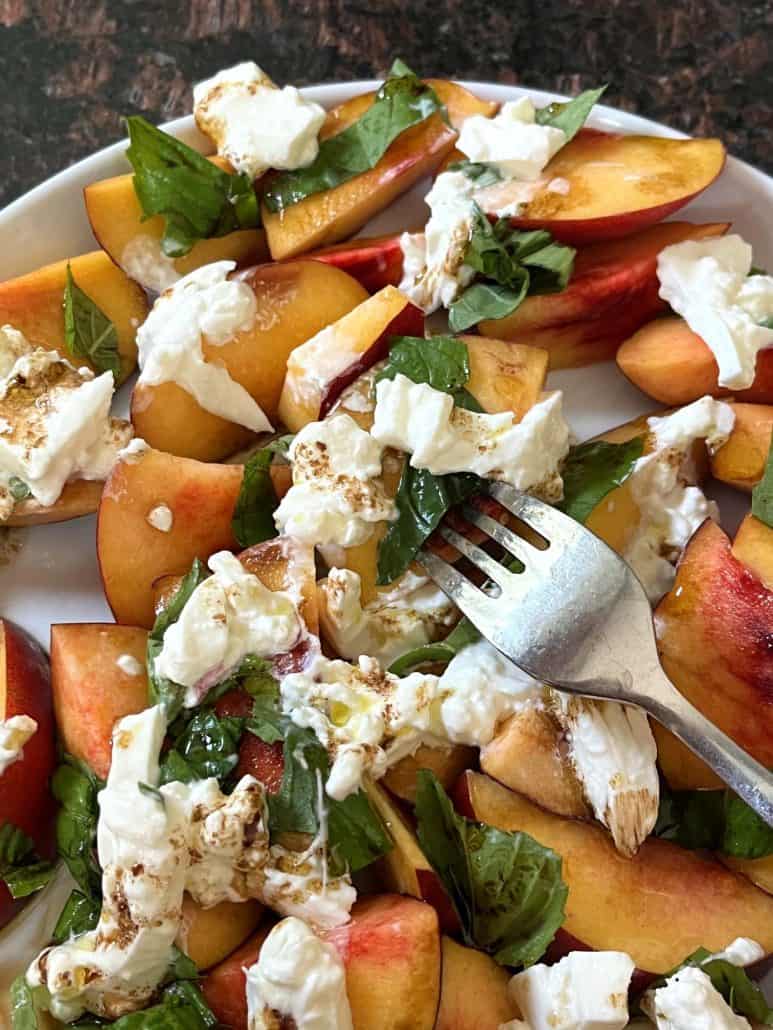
658, 906
208, 935
753, 547
612, 293
671, 363
224, 987
32, 304
741, 461
374, 262
295, 301
618, 184
78, 498
473, 990
714, 633
758, 870
133, 553
446, 763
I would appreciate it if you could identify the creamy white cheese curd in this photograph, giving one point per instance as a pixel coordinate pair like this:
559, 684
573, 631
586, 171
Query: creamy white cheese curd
129, 665
298, 884
671, 509
411, 613
434, 271
443, 438
144, 261
134, 450
337, 497
142, 844
228, 616
14, 734
511, 141
368, 719
55, 421
586, 990
161, 518
255, 125
743, 951
203, 304
689, 1001
614, 755
297, 978
708, 283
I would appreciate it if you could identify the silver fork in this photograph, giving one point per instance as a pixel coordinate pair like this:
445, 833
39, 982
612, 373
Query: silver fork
578, 619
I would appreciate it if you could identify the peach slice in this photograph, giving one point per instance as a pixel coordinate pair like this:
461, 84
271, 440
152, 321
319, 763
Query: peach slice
91, 690
32, 304
758, 870
619, 184
295, 300
208, 935
318, 372
335, 214
446, 763
374, 262
116, 220
391, 950
714, 632
25, 801
473, 990
78, 498
671, 363
132, 553
612, 293
623, 904
224, 987
753, 547
741, 461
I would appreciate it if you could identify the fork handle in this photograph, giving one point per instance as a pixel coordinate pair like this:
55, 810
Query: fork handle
742, 773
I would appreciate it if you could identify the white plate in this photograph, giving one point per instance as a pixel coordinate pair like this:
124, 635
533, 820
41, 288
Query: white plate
54, 577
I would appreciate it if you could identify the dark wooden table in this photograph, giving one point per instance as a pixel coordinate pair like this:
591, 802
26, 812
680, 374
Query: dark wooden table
70, 69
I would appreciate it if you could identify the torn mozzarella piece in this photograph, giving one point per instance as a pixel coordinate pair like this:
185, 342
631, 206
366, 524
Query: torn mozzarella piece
55, 422
144, 261
411, 613
337, 497
743, 951
708, 283
689, 1001
227, 617
255, 125
298, 979
586, 990
204, 305
297, 883
614, 755
444, 438
511, 141
14, 734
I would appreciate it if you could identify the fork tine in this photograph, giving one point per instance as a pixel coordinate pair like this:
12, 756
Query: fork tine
472, 601
493, 569
521, 549
543, 518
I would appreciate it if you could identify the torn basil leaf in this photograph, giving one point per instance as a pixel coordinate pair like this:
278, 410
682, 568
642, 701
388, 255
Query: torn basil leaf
506, 888
715, 820
462, 635
440, 361
571, 115
762, 494
75, 787
182, 1007
402, 102
88, 332
197, 200
253, 517
23, 1014
204, 745
399, 69
594, 469
21, 869
479, 172
79, 915
18, 489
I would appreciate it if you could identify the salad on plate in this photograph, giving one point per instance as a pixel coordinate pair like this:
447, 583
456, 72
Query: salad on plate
290, 786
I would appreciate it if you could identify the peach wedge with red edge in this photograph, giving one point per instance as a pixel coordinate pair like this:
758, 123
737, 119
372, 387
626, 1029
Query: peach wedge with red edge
624, 904
714, 632
671, 363
294, 302
374, 262
132, 553
25, 801
620, 184
116, 220
473, 990
335, 214
320, 370
612, 293
32, 304
740, 462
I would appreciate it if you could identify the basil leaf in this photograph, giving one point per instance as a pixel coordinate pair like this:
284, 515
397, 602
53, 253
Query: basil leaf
479, 172
20, 867
254, 675
253, 517
266, 721
79, 915
440, 361
422, 500
207, 745
767, 323
182, 1007
570, 116
152, 792
197, 199
485, 300
399, 68
162, 690
75, 787
28, 879
403, 101
23, 1014
182, 967
716, 820
594, 469
745, 835
88, 332
18, 489
762, 494
506, 888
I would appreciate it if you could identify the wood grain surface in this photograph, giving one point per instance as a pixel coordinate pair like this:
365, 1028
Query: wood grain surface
71, 69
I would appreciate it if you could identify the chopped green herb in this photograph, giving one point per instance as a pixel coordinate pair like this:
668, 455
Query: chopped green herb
79, 915
88, 332
572, 115
182, 1007
253, 517
762, 494
23, 1014
480, 173
18, 489
75, 787
20, 867
204, 745
717, 820
594, 469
